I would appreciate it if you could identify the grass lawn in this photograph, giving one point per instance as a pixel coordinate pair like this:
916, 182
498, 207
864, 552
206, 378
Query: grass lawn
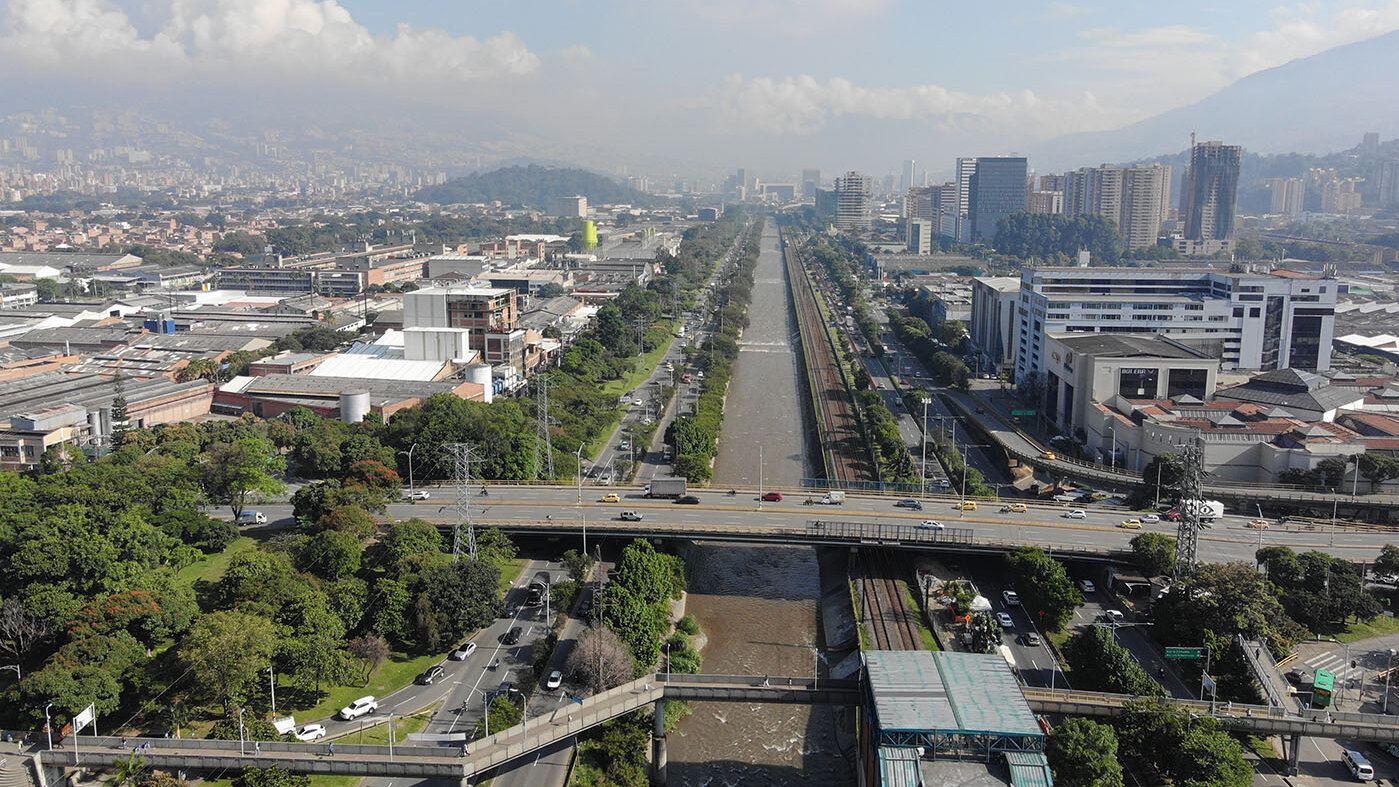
211, 567
396, 673
511, 572
628, 382
1262, 746
926, 634
1376, 628
378, 735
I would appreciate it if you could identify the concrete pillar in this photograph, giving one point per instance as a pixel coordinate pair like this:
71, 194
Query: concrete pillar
658, 752
1293, 743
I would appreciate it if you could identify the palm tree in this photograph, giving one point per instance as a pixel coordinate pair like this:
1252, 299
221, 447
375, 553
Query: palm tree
128, 772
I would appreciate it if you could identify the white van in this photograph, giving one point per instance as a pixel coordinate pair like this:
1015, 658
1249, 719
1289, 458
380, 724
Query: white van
833, 498
252, 518
1358, 765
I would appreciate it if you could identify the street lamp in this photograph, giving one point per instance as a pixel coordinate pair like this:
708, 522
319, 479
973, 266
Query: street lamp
760, 476
241, 750
48, 727
1112, 457
1388, 667
409, 454
272, 686
582, 515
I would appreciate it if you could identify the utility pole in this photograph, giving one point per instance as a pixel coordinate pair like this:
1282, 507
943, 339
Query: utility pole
543, 438
1191, 501
463, 457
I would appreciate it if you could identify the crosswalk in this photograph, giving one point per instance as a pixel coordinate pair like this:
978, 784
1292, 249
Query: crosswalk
1335, 663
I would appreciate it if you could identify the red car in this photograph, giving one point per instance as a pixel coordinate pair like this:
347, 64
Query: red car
1173, 515
772, 497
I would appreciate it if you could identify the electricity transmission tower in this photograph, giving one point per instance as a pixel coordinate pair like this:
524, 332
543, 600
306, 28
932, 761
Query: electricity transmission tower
543, 438
1191, 507
463, 457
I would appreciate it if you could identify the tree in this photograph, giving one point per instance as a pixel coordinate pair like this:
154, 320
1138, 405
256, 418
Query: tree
227, 651
503, 715
1045, 587
237, 473
951, 332
21, 631
1155, 553
1388, 561
1318, 590
580, 563
1168, 469
464, 595
1083, 753
1378, 468
1100, 664
331, 554
276, 776
371, 650
1223, 599
128, 771
600, 660
1181, 748
410, 538
119, 415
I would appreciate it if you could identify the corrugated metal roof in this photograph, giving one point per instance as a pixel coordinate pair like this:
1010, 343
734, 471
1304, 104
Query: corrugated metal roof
948, 691
1029, 769
373, 367
899, 767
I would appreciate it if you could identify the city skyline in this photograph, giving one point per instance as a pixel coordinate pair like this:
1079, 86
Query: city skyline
724, 82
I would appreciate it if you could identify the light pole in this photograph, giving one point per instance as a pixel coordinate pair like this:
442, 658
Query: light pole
409, 454
1159, 465
760, 476
390, 736
1388, 667
48, 726
582, 515
1112, 457
923, 450
272, 686
241, 750
1334, 504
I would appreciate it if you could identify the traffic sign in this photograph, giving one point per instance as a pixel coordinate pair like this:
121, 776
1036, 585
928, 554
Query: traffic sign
1185, 653
1023, 413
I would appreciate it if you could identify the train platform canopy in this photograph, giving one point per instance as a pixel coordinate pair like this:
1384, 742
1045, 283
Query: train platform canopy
952, 705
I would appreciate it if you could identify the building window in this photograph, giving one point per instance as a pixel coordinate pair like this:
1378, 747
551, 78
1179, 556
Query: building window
1186, 381
1137, 383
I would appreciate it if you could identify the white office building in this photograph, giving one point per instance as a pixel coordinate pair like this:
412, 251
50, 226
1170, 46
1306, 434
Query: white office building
993, 325
1260, 321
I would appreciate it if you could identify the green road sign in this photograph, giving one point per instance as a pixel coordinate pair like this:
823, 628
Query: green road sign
1185, 653
1023, 413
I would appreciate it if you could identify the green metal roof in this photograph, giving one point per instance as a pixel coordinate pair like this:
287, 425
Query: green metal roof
948, 692
899, 767
1028, 769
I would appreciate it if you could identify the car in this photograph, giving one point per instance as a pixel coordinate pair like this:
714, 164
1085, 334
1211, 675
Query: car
630, 516
512, 637
1011, 598
464, 652
931, 524
638, 402
1032, 639
772, 497
430, 675
1075, 513
1299, 676
1358, 765
1131, 524
909, 503
506, 689
1087, 586
554, 680
965, 505
1048, 455
980, 410
1005, 620
1113, 616
624, 445
610, 497
415, 494
700, 375
686, 378
1259, 524
1173, 515
687, 500
309, 732
358, 708
1015, 508
1149, 519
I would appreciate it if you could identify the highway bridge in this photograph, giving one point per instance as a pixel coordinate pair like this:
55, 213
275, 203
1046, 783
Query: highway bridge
574, 716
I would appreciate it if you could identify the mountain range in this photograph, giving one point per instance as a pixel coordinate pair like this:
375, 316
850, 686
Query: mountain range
1310, 105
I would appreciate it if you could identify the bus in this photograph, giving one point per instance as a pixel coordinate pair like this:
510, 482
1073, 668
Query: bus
1322, 686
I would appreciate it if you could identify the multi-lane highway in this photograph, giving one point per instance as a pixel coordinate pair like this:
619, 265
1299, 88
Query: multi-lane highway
1228, 540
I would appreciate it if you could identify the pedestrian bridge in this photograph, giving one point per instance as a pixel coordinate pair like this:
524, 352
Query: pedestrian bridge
571, 718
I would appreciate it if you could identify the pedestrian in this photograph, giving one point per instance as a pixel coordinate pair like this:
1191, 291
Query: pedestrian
257, 747
463, 750
332, 748
123, 742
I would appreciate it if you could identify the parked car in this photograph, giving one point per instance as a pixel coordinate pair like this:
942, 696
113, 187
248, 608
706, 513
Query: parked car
772, 497
1005, 620
1011, 598
1075, 513
909, 503
611, 497
687, 500
430, 675
309, 732
512, 637
358, 708
464, 652
931, 524
554, 680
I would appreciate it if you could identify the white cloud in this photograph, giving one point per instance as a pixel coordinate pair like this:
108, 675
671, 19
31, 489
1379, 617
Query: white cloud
305, 38
791, 18
803, 105
1060, 10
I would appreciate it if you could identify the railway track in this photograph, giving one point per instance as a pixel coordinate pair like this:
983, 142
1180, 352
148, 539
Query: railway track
842, 447
886, 608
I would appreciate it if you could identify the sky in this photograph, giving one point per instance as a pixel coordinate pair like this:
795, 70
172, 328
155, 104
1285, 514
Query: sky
659, 86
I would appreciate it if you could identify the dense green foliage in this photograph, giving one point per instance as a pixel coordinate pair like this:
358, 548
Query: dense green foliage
533, 186
1155, 553
895, 463
1319, 591
1218, 600
1045, 588
637, 604
1178, 747
1083, 753
1054, 237
1100, 664
931, 347
842, 258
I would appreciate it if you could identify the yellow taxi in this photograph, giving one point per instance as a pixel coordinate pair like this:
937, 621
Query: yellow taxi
1259, 524
1131, 524
611, 497
1015, 508
1049, 455
965, 505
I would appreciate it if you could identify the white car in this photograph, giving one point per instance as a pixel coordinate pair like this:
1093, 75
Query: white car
1076, 513
358, 708
1149, 519
464, 652
415, 494
1113, 616
554, 680
1011, 598
309, 732
1005, 620
931, 524
1086, 585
